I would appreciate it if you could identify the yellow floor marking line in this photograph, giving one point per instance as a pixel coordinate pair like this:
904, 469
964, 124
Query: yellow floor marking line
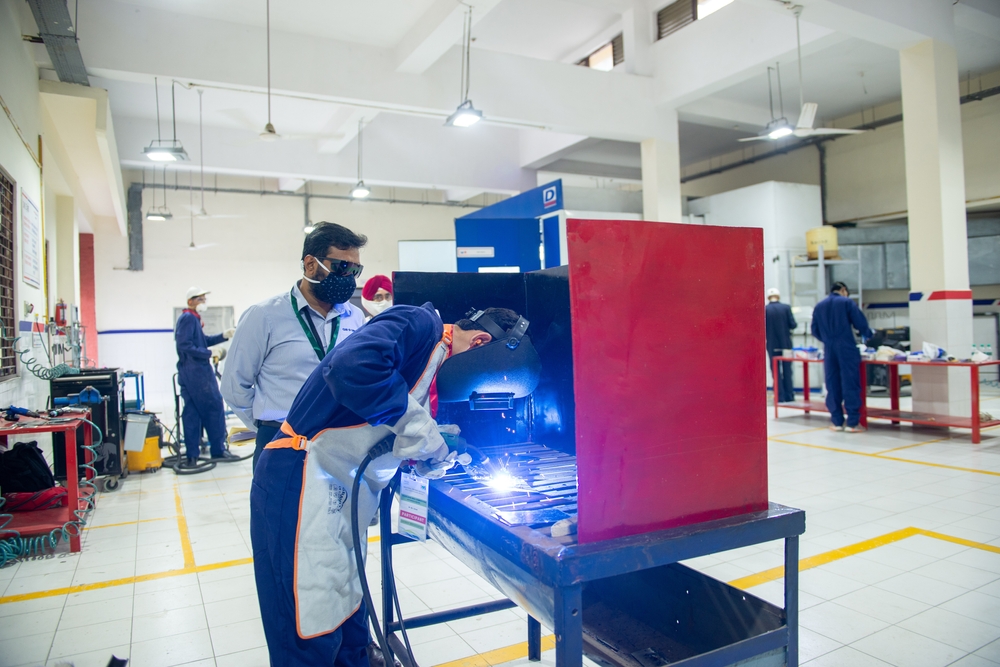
501, 655
69, 590
916, 444
182, 527
129, 523
887, 458
852, 550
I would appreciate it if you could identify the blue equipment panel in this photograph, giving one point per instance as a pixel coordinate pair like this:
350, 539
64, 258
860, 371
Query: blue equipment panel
514, 242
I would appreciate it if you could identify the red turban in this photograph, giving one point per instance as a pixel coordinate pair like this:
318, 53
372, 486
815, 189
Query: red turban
374, 284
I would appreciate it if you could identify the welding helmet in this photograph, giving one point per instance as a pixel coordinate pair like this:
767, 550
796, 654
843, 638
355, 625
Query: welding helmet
492, 375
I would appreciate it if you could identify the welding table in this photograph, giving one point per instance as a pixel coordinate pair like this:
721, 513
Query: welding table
42, 522
554, 579
893, 413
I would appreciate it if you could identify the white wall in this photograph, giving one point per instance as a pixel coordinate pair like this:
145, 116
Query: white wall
19, 89
248, 258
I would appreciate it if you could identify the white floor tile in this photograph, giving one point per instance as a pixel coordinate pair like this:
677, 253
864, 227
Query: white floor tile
953, 629
882, 604
846, 657
84, 639
167, 623
839, 623
237, 637
174, 650
96, 658
29, 623
255, 657
908, 649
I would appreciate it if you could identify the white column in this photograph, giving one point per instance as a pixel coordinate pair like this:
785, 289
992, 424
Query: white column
67, 251
940, 298
638, 26
661, 173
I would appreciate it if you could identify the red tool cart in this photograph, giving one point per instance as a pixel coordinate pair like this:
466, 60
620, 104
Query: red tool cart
893, 413
43, 522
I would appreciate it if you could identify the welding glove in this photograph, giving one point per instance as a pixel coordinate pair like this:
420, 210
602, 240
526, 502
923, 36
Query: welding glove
417, 435
456, 443
437, 465
229, 333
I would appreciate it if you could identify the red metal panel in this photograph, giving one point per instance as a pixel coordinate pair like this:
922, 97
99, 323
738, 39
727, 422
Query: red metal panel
668, 329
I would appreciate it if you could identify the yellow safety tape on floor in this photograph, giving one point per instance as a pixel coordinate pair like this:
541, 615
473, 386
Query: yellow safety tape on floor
886, 458
182, 528
854, 549
501, 655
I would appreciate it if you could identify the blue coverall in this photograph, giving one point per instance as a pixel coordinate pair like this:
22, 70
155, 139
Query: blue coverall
356, 383
833, 320
199, 387
778, 325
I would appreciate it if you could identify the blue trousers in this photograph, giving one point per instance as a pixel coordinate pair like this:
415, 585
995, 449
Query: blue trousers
274, 516
265, 434
843, 384
783, 383
202, 409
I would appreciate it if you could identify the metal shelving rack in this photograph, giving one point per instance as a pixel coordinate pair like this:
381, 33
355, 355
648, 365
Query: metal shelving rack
822, 267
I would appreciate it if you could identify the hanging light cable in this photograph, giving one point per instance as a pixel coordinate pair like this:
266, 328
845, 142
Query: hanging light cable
159, 150
466, 114
360, 190
269, 133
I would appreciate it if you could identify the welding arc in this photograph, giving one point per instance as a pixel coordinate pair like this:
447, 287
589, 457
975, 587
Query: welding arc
380, 449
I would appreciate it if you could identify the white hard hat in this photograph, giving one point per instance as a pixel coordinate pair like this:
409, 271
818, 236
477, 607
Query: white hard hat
773, 292
195, 291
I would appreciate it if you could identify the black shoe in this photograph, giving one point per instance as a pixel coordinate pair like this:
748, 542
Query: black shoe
189, 463
225, 457
375, 657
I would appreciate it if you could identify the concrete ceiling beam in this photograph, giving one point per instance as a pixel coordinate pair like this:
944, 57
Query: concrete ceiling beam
511, 90
439, 29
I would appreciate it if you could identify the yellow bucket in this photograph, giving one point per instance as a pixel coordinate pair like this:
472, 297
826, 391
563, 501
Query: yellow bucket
825, 236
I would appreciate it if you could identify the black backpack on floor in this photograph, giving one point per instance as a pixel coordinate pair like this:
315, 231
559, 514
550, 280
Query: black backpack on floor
23, 469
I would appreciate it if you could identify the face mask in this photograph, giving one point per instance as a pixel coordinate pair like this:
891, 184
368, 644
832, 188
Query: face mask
201, 307
376, 307
333, 289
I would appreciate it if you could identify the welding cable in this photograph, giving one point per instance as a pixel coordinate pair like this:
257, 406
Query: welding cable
35, 368
395, 591
17, 547
381, 448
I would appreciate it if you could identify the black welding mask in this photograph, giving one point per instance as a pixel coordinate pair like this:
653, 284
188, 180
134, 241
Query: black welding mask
491, 376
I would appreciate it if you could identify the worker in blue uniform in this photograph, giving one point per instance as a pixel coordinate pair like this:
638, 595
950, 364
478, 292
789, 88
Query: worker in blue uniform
199, 387
834, 320
377, 383
778, 326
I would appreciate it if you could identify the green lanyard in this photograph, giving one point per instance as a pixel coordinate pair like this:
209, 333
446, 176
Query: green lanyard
310, 330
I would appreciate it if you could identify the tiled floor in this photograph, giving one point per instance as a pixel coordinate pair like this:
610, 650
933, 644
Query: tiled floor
165, 575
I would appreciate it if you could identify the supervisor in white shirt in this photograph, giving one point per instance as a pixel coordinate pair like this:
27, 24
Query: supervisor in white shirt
280, 341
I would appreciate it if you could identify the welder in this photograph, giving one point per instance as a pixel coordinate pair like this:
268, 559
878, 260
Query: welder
378, 383
199, 388
833, 324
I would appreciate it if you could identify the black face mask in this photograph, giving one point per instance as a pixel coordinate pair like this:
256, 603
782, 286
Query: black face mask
333, 289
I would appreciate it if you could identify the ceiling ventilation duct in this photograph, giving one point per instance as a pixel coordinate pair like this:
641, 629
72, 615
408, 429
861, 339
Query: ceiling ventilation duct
57, 31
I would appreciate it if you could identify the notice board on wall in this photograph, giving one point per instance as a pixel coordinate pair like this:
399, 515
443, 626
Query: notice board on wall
31, 243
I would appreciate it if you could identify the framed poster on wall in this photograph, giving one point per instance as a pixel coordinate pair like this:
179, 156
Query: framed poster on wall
31, 243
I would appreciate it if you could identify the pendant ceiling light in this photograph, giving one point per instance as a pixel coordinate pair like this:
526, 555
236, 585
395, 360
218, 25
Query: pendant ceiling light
466, 114
269, 133
360, 190
159, 212
170, 150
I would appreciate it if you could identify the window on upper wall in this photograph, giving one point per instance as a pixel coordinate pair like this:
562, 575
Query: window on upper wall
8, 362
607, 56
678, 14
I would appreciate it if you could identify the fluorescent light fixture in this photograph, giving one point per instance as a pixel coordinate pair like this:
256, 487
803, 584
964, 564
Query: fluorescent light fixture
360, 191
779, 132
308, 229
465, 115
165, 151
159, 214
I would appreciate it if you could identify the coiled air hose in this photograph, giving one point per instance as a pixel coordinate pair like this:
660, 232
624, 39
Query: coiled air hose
35, 368
381, 448
16, 547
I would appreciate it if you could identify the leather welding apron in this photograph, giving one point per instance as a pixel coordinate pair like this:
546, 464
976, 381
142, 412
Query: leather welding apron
327, 590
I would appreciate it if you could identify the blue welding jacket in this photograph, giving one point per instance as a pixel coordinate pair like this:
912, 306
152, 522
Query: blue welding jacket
192, 348
834, 320
368, 377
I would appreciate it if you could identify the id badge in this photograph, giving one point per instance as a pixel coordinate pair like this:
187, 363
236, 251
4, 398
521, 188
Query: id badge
413, 491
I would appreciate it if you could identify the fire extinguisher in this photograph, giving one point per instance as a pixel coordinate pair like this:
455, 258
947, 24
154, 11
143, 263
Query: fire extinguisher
61, 313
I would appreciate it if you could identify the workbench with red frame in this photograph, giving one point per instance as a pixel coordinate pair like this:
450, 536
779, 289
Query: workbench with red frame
893, 413
43, 522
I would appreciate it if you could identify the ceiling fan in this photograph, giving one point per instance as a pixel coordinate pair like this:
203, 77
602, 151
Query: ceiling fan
779, 128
